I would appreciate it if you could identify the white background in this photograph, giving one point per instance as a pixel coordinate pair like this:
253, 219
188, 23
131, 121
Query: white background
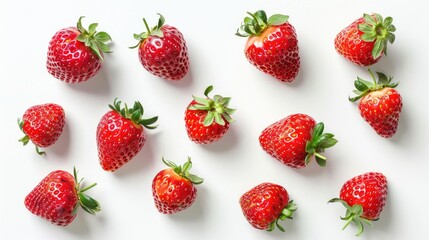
236, 163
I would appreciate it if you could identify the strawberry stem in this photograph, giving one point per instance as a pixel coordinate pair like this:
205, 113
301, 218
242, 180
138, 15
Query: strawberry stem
39, 151
88, 187
147, 26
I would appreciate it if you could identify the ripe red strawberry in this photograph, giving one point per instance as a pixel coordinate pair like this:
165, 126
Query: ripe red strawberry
58, 196
272, 45
42, 125
163, 51
380, 104
266, 204
365, 40
121, 135
207, 119
173, 188
295, 139
76, 54
364, 197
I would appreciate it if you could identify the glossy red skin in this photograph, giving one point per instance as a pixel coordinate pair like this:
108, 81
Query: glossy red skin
118, 140
275, 52
263, 204
44, 123
368, 190
349, 44
197, 132
381, 109
70, 60
165, 57
285, 139
54, 198
171, 192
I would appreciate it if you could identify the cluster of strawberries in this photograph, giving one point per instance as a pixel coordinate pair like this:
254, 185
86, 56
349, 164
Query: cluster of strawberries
75, 55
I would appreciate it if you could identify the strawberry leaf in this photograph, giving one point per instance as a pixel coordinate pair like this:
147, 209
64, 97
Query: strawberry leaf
158, 33
378, 48
364, 87
217, 108
95, 41
155, 31
87, 203
135, 114
277, 19
318, 143
209, 119
258, 22
320, 161
353, 214
378, 30
183, 171
287, 213
92, 27
102, 37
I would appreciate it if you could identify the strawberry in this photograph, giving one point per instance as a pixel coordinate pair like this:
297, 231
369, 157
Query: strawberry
42, 124
265, 204
121, 135
272, 45
163, 51
173, 188
76, 54
295, 139
380, 104
58, 196
207, 119
364, 197
365, 40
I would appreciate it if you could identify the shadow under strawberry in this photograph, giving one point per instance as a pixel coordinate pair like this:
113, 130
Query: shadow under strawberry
99, 85
62, 148
195, 213
226, 144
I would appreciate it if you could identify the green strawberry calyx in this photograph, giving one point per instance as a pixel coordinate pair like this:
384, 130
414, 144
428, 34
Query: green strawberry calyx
26, 139
318, 143
217, 108
135, 114
353, 214
286, 213
183, 170
258, 22
87, 203
96, 41
378, 30
155, 31
364, 87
